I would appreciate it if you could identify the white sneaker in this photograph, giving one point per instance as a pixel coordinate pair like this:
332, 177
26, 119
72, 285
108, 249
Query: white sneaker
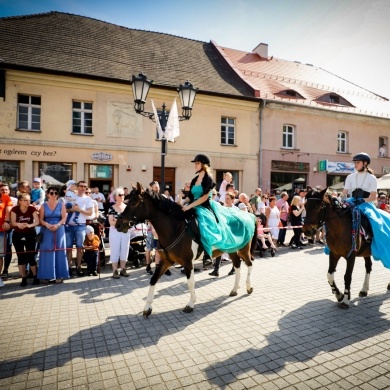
1, 283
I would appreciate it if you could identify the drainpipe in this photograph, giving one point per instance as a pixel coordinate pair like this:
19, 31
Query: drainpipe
261, 108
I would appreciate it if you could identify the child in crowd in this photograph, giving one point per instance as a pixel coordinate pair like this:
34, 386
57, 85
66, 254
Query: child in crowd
37, 193
227, 179
264, 235
91, 250
70, 200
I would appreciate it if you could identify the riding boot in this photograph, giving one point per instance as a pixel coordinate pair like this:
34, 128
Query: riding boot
216, 266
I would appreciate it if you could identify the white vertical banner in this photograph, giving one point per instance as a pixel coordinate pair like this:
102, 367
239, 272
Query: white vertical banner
172, 129
159, 129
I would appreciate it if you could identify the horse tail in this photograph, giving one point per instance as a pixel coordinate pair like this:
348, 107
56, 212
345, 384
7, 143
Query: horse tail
254, 240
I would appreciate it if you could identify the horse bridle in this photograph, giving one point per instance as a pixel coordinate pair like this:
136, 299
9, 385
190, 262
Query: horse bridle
321, 216
133, 221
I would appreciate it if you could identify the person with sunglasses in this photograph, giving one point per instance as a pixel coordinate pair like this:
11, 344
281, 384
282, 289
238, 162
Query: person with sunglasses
119, 241
24, 218
75, 231
53, 264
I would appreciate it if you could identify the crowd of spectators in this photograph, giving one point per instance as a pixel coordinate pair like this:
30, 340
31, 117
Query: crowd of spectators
47, 224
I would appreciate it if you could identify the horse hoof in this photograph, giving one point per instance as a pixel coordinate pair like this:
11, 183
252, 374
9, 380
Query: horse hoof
188, 309
343, 306
250, 291
363, 294
388, 286
233, 294
147, 313
340, 297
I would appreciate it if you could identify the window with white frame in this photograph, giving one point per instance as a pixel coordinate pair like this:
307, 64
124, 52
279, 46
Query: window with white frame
228, 131
29, 113
383, 142
342, 138
81, 118
288, 137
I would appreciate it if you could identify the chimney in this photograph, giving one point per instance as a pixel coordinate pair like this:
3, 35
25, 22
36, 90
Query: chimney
261, 49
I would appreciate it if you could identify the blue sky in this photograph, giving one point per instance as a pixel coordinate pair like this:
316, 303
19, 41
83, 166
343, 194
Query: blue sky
350, 38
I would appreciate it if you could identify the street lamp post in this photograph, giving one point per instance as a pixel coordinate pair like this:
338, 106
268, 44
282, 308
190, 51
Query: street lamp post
187, 93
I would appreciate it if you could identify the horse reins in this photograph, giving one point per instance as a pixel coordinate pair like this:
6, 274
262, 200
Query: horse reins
321, 216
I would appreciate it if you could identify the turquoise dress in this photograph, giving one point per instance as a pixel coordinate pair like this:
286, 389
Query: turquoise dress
380, 224
233, 231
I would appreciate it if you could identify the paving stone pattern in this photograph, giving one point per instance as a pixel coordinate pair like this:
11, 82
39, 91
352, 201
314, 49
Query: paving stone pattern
89, 333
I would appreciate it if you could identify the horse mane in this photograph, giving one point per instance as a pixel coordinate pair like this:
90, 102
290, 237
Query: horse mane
167, 206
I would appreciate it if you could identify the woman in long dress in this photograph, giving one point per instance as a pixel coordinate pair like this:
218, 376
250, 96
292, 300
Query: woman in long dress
273, 217
53, 264
224, 228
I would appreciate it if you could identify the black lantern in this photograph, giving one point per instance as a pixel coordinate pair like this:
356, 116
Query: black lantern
187, 94
141, 86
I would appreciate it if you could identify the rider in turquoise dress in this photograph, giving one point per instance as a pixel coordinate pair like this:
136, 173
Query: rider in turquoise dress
225, 228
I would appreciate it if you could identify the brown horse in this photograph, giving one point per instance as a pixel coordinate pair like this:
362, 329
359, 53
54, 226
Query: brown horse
175, 241
322, 208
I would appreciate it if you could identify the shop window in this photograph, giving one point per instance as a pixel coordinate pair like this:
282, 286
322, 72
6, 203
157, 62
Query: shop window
9, 172
100, 171
228, 131
288, 137
81, 118
29, 113
55, 173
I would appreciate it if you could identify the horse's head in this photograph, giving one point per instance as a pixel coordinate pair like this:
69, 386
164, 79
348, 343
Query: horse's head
135, 211
314, 207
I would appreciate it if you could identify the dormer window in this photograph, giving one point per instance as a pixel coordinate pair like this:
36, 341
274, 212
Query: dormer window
333, 99
290, 93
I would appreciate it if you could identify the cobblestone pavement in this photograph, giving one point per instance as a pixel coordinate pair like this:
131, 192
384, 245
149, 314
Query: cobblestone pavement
89, 333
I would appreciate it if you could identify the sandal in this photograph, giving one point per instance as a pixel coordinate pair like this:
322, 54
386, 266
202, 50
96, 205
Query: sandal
45, 281
59, 281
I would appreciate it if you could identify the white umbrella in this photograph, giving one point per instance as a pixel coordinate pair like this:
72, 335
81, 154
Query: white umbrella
384, 182
50, 180
338, 186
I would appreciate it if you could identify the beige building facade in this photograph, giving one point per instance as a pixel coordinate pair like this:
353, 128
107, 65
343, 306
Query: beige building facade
122, 147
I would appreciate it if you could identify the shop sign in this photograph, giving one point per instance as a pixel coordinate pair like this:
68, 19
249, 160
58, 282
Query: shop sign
322, 164
340, 167
289, 166
101, 156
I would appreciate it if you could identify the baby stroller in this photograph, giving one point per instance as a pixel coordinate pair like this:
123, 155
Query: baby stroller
266, 235
98, 229
137, 244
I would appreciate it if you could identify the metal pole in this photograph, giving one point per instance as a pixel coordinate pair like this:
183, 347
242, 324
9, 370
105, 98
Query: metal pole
164, 144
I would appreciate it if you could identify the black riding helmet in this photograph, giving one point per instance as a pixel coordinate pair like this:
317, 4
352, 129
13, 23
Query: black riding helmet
202, 158
362, 157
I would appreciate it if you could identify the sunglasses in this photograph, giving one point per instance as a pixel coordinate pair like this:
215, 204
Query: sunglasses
53, 192
121, 194
88, 192
81, 185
